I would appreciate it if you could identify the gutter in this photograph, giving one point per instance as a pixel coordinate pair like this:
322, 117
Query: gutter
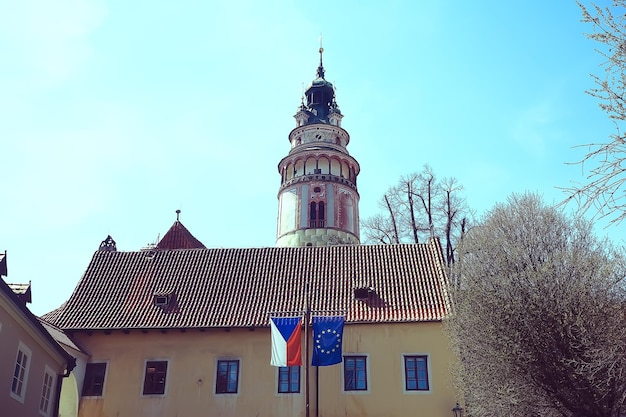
71, 364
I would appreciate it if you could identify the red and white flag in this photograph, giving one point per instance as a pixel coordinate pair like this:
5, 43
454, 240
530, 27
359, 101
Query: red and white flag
286, 341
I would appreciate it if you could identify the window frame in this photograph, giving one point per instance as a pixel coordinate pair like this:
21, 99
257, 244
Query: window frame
221, 389
25, 351
104, 378
291, 379
317, 214
344, 380
156, 393
405, 379
46, 392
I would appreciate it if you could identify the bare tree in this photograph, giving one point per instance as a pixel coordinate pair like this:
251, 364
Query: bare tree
418, 207
409, 183
538, 318
379, 229
604, 192
453, 207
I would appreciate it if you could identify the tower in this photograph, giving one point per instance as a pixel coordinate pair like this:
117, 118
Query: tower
318, 201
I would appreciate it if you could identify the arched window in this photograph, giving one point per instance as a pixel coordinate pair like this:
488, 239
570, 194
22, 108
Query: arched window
311, 166
299, 169
323, 165
335, 167
289, 172
345, 173
317, 214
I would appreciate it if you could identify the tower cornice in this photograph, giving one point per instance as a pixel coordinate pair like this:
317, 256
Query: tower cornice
318, 177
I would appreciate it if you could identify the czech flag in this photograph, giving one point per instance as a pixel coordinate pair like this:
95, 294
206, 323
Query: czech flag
286, 341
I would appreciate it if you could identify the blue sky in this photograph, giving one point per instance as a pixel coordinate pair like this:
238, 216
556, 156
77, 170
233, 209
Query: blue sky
117, 113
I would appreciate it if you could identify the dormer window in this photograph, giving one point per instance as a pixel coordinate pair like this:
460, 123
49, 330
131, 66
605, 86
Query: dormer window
166, 302
161, 300
363, 293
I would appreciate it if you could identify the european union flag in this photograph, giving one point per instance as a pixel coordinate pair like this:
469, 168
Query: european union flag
327, 337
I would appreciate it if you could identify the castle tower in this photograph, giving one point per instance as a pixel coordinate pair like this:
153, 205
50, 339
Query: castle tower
318, 201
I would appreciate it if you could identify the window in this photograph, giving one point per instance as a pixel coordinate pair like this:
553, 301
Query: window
20, 373
355, 373
154, 382
289, 379
416, 373
160, 300
93, 385
227, 377
316, 214
46, 392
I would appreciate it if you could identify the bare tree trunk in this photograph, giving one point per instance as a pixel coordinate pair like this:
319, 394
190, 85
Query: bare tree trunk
426, 197
450, 213
395, 237
409, 193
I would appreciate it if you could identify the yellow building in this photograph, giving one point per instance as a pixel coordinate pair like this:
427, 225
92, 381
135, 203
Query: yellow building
32, 364
186, 331
182, 330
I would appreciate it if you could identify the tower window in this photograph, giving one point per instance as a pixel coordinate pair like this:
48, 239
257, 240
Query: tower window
317, 214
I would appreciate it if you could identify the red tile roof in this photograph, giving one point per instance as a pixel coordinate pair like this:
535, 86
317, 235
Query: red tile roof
178, 237
242, 287
52, 316
58, 335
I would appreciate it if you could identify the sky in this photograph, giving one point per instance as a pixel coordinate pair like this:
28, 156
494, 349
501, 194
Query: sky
116, 113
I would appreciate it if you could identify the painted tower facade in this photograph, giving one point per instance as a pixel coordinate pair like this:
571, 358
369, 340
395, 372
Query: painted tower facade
318, 201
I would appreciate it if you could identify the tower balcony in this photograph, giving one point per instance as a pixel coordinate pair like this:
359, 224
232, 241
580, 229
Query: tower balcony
318, 177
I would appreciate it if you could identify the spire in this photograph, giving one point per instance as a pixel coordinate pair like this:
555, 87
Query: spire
319, 95
178, 237
320, 69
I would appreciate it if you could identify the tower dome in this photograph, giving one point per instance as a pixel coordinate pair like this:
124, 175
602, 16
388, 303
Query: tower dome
318, 197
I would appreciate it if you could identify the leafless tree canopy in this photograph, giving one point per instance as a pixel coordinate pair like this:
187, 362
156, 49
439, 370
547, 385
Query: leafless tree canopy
420, 206
539, 315
604, 192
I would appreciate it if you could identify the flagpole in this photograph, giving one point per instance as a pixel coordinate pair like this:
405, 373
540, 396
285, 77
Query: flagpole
307, 314
317, 369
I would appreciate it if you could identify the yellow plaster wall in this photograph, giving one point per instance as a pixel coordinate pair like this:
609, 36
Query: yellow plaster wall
68, 404
192, 359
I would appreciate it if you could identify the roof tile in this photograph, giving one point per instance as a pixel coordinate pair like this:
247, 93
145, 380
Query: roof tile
242, 287
178, 237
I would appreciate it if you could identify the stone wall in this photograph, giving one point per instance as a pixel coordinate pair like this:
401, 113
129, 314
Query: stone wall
317, 237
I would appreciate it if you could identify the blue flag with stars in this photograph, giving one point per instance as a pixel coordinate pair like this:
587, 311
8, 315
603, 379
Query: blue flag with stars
327, 337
